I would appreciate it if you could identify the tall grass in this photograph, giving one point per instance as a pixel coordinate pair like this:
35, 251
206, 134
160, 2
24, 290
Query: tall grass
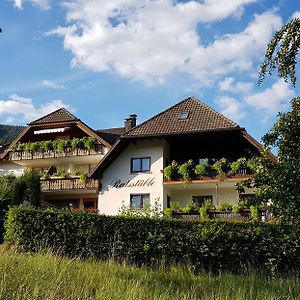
46, 276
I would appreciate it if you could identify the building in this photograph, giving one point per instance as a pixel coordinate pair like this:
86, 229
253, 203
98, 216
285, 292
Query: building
65, 150
131, 173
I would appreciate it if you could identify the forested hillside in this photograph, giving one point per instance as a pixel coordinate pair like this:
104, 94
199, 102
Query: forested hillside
9, 132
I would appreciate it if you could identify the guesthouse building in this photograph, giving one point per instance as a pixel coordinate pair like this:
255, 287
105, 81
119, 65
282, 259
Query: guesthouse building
140, 169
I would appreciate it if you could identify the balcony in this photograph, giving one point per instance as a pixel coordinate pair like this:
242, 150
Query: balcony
218, 170
68, 184
212, 176
18, 155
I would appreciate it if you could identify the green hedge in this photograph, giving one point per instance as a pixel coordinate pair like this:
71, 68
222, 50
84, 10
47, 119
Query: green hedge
213, 245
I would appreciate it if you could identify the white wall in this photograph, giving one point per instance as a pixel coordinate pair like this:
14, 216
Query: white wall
111, 198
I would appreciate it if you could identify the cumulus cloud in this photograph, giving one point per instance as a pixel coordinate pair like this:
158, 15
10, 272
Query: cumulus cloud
273, 99
231, 108
53, 85
230, 85
42, 4
148, 40
24, 109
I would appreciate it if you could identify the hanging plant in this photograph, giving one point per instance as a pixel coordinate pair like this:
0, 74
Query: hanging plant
82, 175
34, 147
186, 170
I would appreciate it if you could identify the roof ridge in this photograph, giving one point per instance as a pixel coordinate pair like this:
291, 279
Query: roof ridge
52, 113
197, 101
162, 112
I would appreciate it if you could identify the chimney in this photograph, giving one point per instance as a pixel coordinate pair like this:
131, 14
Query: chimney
130, 122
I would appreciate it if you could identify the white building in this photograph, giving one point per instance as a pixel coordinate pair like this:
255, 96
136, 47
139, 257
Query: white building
131, 173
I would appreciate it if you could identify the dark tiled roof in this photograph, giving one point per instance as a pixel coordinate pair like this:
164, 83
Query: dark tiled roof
200, 118
60, 115
111, 135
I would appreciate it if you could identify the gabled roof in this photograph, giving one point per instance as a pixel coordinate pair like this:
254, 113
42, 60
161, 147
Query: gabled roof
200, 118
111, 135
60, 115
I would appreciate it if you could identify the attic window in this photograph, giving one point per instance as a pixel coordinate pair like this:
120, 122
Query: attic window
183, 115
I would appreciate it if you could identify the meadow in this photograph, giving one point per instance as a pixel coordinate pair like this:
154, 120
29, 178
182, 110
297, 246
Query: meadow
48, 276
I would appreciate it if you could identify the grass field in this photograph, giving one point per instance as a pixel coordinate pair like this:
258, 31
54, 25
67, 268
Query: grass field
45, 276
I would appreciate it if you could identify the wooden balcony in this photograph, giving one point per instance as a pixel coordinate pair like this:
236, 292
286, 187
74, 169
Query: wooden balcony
212, 176
68, 184
18, 155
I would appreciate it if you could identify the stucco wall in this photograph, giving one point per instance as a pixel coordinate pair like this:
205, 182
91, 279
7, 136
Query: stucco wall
10, 168
112, 198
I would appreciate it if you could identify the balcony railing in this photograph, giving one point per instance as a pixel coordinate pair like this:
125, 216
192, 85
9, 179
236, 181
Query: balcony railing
68, 152
213, 174
64, 184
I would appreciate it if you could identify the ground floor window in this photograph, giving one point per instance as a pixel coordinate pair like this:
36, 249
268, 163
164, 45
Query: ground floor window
139, 201
90, 203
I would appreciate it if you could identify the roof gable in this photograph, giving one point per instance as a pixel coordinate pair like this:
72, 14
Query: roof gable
60, 115
195, 117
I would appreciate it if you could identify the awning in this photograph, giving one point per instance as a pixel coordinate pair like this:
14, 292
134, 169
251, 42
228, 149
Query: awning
52, 130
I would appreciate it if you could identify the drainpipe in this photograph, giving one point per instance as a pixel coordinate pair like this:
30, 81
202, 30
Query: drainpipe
217, 193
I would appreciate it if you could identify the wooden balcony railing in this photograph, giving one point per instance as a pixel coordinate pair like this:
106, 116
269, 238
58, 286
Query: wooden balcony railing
63, 184
68, 152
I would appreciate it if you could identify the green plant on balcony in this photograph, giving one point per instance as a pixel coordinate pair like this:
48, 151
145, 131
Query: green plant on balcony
186, 170
75, 143
171, 172
34, 147
201, 169
190, 207
89, 143
221, 166
62, 173
238, 165
82, 174
59, 145
205, 208
46, 146
225, 206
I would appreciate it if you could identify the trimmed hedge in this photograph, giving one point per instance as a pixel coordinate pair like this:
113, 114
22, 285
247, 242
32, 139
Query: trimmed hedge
211, 245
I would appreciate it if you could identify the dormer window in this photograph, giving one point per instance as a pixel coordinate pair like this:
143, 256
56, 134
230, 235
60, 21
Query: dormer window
183, 115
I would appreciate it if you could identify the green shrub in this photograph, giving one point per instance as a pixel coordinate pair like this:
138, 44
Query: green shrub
213, 245
46, 145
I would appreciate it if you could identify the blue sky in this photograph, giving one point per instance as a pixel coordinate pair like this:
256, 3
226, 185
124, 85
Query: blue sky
104, 60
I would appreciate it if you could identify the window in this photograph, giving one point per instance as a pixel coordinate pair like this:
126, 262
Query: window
183, 115
140, 164
139, 201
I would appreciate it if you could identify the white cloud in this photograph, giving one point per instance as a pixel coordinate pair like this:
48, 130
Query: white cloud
273, 99
229, 85
24, 109
53, 85
148, 40
296, 14
42, 4
231, 108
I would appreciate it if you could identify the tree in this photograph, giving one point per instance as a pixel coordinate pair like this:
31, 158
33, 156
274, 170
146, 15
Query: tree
278, 181
282, 51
